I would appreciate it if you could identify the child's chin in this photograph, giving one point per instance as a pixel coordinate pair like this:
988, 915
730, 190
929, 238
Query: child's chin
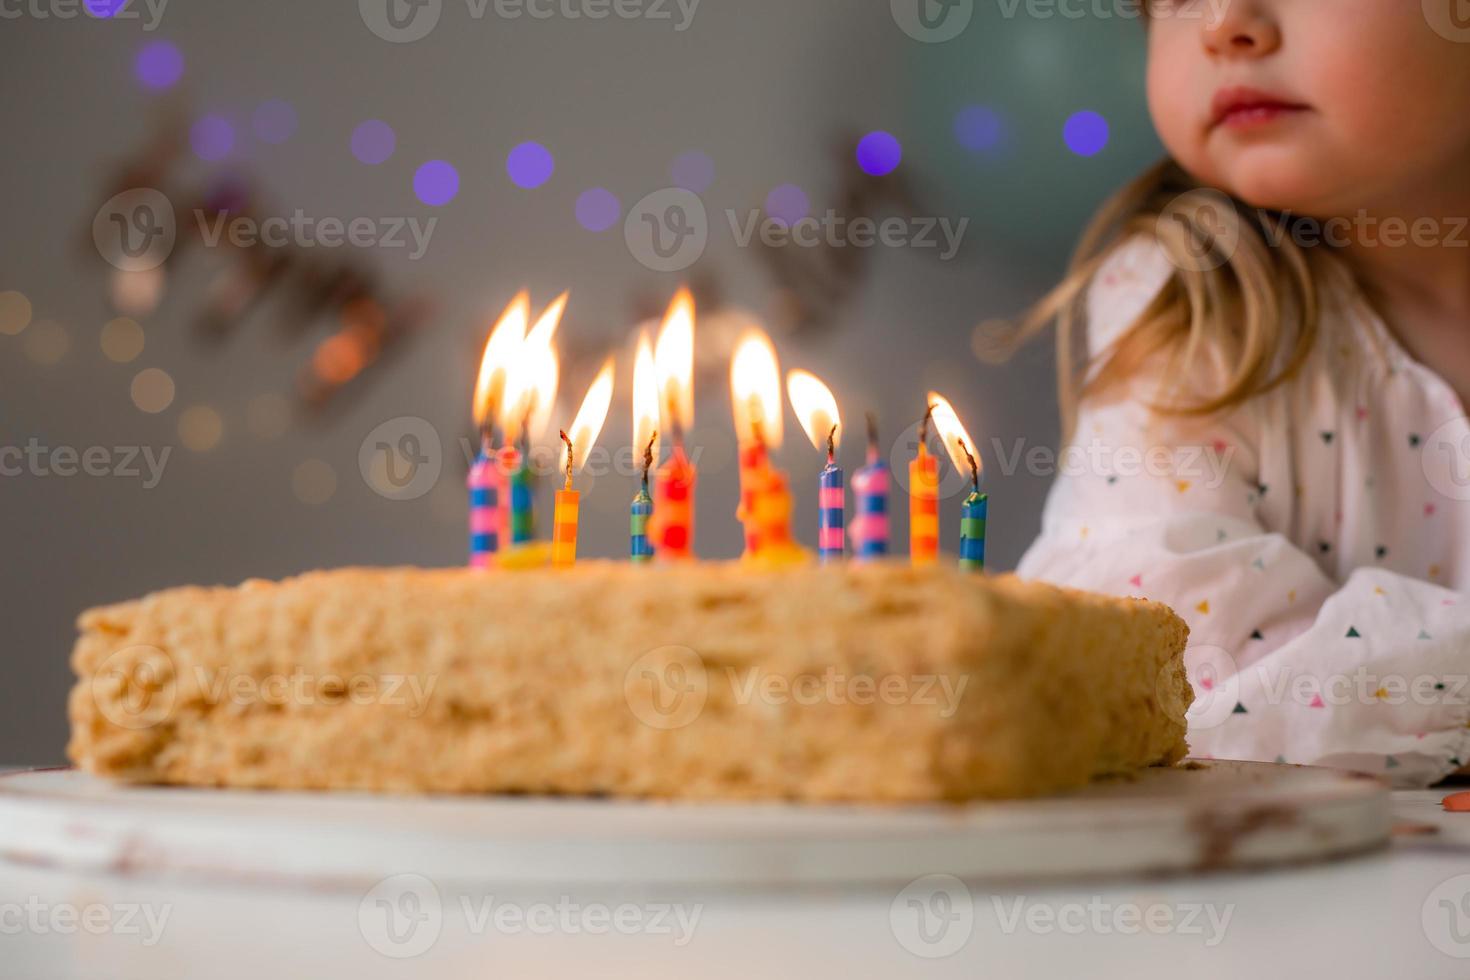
1279, 188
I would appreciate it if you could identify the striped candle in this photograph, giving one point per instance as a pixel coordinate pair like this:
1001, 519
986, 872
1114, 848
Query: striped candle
765, 506
484, 485
923, 508
672, 526
870, 522
831, 502
972, 531
564, 529
640, 548
520, 517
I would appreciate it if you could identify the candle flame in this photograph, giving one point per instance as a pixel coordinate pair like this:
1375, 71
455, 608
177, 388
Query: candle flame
500, 353
531, 383
956, 440
588, 424
755, 389
815, 408
645, 397
674, 358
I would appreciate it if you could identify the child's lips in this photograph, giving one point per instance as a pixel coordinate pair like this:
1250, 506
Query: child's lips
1247, 108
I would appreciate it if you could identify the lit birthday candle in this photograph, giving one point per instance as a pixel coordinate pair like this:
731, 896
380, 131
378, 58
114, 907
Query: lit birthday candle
579, 443
870, 497
924, 500
765, 500
486, 480
974, 510
529, 394
645, 434
817, 410
672, 523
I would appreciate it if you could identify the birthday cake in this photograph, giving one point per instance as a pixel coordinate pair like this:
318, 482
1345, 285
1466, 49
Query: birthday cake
702, 680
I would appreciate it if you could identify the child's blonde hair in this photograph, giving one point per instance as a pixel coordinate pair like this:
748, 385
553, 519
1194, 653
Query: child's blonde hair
1244, 294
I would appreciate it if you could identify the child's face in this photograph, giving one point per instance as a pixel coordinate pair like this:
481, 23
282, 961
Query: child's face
1322, 107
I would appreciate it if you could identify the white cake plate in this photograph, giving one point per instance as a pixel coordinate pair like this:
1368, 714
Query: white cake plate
1216, 815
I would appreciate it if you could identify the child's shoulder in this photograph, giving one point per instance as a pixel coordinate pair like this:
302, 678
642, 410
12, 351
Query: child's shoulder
1127, 281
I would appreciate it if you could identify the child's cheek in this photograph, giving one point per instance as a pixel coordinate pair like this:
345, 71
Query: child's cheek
1178, 107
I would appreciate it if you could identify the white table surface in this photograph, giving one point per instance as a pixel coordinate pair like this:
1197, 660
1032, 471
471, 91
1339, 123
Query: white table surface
1404, 912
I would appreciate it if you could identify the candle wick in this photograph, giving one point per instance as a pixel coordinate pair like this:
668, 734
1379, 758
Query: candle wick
832, 445
569, 458
872, 437
924, 425
526, 432
974, 467
755, 432
676, 425
648, 458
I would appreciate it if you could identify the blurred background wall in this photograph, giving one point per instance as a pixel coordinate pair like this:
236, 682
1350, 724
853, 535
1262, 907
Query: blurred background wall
1019, 118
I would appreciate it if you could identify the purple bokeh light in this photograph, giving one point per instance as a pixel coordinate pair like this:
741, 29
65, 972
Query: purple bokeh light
212, 137
159, 65
787, 204
1086, 133
103, 9
436, 183
274, 121
598, 209
693, 170
530, 165
979, 129
373, 142
879, 153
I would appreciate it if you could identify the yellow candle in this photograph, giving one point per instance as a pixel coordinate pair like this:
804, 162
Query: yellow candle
584, 433
564, 529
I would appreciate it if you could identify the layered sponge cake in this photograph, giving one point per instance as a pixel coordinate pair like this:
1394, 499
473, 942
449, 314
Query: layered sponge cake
703, 680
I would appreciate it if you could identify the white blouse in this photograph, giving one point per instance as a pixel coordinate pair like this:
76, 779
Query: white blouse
1317, 541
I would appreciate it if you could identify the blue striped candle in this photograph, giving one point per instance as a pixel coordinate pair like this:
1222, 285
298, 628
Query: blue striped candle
484, 486
972, 531
640, 548
870, 501
831, 502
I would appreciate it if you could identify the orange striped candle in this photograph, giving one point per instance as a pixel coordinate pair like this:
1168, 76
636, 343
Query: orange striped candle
564, 529
924, 502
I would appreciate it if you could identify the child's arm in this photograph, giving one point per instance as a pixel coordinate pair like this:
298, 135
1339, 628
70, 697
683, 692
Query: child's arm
1372, 673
